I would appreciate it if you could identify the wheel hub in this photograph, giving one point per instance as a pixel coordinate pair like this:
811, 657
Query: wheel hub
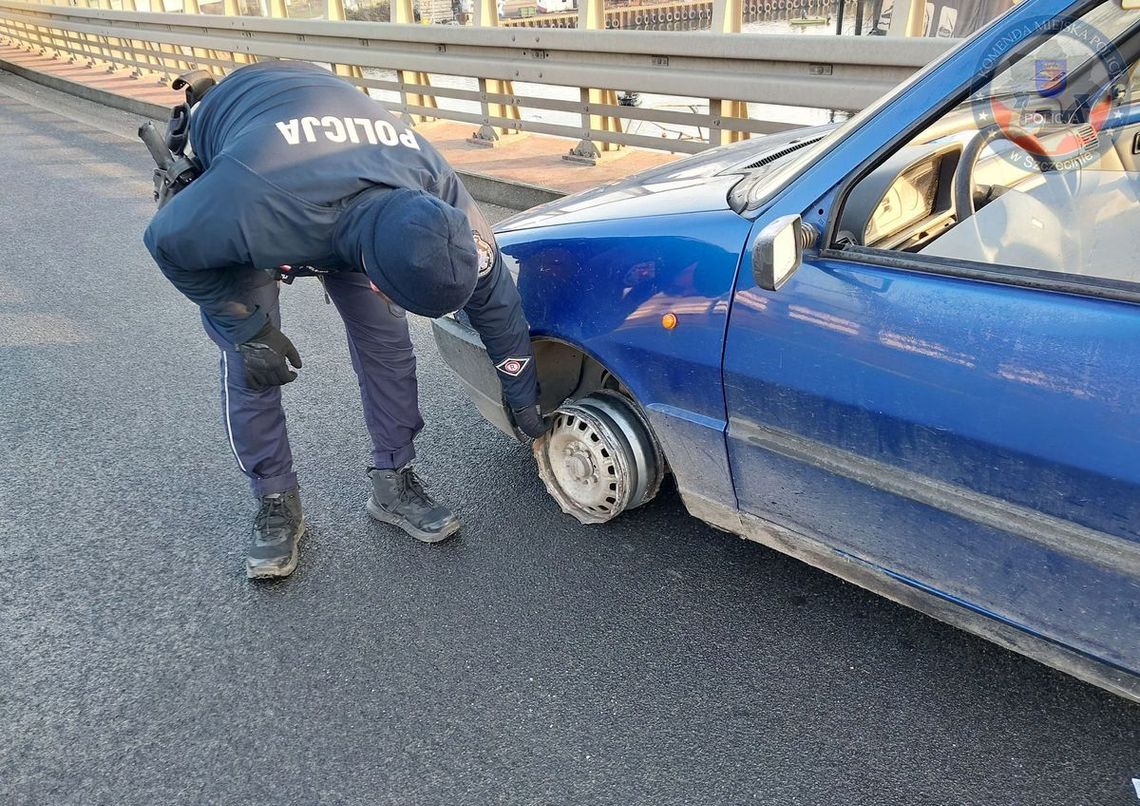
578, 464
599, 458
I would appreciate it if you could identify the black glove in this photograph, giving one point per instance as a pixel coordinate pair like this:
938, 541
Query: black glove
264, 358
530, 421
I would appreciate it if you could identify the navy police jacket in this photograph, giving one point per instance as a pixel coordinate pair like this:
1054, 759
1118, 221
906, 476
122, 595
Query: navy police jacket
287, 148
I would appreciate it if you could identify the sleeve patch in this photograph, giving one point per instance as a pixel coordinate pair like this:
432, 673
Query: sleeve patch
512, 367
486, 255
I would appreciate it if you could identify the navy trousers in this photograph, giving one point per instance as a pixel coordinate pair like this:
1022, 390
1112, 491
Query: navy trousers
385, 365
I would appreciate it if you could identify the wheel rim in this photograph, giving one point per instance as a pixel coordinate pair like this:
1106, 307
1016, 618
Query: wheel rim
599, 458
644, 453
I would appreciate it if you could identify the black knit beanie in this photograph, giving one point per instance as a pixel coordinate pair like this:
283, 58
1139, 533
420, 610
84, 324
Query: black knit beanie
419, 251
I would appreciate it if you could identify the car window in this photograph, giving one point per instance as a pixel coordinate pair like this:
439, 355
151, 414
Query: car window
1134, 84
1037, 168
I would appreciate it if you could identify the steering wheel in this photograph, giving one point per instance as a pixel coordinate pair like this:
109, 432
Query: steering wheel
964, 173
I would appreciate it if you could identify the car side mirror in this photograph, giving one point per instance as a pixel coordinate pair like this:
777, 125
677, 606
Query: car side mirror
779, 250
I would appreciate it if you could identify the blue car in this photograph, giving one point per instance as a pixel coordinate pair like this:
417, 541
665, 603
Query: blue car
905, 350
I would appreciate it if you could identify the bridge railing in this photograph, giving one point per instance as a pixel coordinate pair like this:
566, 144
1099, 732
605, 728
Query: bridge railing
704, 88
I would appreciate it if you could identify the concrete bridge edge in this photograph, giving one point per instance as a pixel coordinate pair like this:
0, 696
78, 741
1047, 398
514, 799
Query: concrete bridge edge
486, 189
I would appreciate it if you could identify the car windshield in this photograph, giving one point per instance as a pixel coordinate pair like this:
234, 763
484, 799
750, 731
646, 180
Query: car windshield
1077, 45
756, 190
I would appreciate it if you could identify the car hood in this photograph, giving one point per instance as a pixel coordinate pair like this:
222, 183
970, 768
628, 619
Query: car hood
693, 184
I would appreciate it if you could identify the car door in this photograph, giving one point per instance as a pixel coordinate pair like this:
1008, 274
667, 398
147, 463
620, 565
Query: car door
949, 415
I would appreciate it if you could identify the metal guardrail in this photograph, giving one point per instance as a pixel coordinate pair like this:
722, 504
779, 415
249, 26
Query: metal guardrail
719, 73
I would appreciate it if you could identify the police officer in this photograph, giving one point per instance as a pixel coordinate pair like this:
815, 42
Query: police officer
299, 168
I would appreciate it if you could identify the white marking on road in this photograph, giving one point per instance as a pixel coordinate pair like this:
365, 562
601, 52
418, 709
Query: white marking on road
1136, 786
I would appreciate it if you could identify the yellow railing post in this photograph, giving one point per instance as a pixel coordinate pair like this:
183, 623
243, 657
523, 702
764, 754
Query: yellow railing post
230, 8
100, 51
9, 33
192, 7
486, 15
334, 10
86, 46
143, 51
908, 18
402, 14
76, 43
32, 37
49, 43
169, 53
148, 52
916, 19
728, 15
592, 17
115, 45
22, 35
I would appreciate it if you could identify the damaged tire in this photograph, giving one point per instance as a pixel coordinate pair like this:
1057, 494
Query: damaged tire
600, 457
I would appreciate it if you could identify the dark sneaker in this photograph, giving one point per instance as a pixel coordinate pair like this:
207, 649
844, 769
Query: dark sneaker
398, 498
277, 530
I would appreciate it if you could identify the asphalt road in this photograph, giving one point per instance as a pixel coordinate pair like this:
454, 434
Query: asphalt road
533, 661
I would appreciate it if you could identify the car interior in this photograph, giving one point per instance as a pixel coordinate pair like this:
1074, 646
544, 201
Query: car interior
1039, 168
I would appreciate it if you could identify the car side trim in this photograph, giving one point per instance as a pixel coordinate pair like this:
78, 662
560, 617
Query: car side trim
815, 551
1074, 540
